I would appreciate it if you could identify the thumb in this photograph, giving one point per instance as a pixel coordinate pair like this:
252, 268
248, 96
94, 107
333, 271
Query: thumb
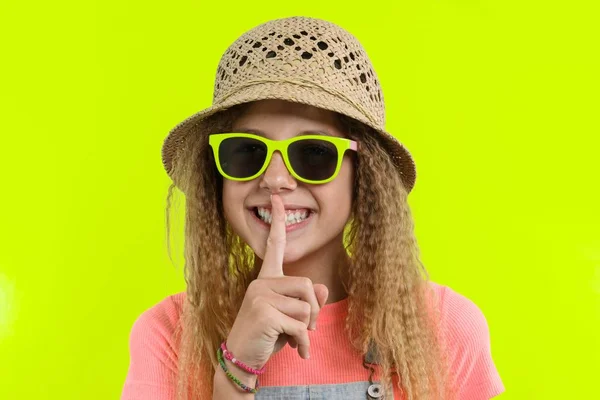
322, 293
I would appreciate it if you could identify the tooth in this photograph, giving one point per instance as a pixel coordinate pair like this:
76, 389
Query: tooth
290, 217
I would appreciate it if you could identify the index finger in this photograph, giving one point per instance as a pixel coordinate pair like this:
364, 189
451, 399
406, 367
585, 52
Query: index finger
272, 265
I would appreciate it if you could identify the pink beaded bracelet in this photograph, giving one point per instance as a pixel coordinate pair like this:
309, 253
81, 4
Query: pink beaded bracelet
237, 362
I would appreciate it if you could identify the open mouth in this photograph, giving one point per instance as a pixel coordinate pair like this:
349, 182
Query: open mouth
293, 217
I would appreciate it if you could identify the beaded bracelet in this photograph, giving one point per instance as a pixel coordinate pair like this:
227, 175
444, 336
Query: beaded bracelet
233, 378
237, 362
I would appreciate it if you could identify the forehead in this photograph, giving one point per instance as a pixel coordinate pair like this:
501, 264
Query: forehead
278, 119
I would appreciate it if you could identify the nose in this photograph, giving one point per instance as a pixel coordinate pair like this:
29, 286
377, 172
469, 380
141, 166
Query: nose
276, 177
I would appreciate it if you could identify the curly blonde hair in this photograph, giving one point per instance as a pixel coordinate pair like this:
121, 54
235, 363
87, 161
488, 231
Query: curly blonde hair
384, 264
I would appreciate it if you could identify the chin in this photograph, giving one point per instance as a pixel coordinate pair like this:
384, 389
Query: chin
292, 253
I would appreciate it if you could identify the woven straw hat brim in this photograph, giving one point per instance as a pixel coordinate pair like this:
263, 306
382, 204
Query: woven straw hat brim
305, 94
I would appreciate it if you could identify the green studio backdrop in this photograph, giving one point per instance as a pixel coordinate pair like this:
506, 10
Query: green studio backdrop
496, 100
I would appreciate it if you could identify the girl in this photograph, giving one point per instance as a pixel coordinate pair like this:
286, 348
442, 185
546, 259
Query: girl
302, 269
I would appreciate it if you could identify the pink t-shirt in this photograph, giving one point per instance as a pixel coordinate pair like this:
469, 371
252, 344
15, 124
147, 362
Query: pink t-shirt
334, 371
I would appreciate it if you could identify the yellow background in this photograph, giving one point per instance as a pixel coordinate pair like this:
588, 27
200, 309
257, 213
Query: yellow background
496, 100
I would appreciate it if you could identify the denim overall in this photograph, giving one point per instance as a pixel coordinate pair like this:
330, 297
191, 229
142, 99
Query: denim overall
362, 390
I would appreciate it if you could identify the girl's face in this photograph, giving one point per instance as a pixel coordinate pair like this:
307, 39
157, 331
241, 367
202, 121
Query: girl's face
329, 204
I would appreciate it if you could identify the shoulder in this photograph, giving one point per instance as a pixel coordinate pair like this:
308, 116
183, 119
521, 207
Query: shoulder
162, 316
465, 332
153, 350
461, 320
155, 327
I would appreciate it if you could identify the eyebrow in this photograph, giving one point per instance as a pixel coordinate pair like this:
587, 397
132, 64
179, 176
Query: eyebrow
261, 133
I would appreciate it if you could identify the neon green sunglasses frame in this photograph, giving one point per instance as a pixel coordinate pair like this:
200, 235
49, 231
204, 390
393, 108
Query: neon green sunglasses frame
341, 144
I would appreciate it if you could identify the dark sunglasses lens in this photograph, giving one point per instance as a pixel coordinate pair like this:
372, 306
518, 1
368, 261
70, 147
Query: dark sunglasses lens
242, 157
313, 159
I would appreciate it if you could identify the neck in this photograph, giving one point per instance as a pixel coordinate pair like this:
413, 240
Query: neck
322, 267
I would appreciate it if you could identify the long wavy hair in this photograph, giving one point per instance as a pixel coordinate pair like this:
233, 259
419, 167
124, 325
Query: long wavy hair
384, 266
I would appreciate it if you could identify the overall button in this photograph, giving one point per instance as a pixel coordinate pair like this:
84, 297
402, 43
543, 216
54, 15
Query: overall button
375, 391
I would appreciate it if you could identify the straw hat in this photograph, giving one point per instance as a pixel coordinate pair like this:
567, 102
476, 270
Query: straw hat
304, 60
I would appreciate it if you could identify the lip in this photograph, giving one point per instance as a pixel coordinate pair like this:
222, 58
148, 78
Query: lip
268, 206
288, 228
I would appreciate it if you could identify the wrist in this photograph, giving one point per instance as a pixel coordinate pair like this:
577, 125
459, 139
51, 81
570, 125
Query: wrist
224, 388
247, 383
245, 377
239, 355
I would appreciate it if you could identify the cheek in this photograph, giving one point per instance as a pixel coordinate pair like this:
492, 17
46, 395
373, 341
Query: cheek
347, 186
232, 200
336, 197
346, 179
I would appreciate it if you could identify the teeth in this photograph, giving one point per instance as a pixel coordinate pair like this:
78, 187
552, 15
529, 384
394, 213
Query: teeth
291, 217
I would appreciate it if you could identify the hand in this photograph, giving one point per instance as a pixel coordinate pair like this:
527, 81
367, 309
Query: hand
276, 309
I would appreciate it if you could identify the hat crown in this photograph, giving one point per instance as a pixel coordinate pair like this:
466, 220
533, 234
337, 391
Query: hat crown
307, 52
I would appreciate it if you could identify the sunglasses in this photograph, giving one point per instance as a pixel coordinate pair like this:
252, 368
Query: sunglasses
312, 159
